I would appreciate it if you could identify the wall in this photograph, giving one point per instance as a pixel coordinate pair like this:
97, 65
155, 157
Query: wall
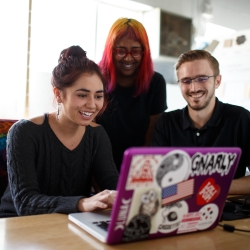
87, 25
229, 13
233, 54
48, 39
179, 7
234, 61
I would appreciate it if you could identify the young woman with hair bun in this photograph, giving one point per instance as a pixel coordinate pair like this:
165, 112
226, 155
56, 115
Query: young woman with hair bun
52, 158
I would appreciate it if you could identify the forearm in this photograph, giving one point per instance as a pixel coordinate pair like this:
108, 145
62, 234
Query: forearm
240, 186
27, 194
42, 204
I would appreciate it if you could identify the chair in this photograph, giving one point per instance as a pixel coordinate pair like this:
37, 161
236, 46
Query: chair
4, 128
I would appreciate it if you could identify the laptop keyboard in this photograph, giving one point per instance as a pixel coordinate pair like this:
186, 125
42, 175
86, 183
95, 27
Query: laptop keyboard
102, 224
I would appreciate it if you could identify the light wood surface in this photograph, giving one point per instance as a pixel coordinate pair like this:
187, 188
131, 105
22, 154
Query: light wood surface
55, 231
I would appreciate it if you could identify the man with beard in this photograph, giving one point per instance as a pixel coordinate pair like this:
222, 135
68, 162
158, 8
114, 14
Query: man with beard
205, 121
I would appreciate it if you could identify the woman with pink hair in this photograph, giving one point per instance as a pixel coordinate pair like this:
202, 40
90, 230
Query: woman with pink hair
137, 94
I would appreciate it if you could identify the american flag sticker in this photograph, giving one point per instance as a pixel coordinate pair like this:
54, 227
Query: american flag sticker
177, 192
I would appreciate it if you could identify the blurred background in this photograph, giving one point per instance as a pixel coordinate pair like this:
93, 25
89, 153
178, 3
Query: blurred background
33, 33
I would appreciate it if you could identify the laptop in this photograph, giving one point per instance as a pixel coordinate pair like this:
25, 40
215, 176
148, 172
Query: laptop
164, 191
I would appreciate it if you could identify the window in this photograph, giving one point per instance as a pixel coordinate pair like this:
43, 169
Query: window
13, 63
55, 25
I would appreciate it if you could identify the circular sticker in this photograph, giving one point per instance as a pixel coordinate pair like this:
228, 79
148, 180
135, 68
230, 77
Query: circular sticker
174, 168
171, 215
209, 213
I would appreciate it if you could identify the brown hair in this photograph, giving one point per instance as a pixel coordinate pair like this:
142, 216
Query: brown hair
193, 55
72, 63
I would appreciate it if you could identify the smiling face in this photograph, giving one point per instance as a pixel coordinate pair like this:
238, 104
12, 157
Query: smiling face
81, 102
127, 66
199, 96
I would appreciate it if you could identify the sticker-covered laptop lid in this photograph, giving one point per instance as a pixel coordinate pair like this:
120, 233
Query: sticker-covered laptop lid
168, 191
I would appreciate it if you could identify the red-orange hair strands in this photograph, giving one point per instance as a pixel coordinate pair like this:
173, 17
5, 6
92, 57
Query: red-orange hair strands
135, 30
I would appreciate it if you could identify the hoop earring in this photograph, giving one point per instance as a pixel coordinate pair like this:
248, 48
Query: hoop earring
58, 111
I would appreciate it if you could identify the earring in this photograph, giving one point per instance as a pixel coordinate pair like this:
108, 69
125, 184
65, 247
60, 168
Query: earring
58, 110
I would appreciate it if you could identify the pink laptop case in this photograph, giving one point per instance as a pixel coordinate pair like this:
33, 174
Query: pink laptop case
169, 191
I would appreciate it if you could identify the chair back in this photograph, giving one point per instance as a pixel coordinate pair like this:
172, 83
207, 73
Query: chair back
4, 128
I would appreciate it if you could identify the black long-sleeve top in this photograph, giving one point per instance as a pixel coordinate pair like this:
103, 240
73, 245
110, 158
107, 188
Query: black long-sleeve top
46, 177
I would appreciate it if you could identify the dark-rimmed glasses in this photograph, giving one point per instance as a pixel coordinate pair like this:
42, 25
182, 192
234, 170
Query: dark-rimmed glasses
123, 52
199, 79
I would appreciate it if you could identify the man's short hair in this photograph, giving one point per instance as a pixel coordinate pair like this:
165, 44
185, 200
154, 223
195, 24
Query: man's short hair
193, 55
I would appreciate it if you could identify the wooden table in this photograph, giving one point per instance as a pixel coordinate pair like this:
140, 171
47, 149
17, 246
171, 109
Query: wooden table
55, 231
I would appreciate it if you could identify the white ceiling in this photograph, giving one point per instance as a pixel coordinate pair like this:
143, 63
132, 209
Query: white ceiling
234, 14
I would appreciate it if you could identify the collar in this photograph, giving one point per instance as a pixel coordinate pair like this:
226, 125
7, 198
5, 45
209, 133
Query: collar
212, 122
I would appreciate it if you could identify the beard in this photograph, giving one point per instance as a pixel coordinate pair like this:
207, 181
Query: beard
198, 106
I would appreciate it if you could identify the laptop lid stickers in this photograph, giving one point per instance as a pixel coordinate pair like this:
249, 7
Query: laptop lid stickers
168, 191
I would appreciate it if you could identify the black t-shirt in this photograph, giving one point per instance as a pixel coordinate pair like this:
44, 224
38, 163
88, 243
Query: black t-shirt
229, 126
126, 118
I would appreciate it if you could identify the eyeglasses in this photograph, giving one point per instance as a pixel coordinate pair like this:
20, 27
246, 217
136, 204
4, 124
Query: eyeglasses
199, 79
123, 52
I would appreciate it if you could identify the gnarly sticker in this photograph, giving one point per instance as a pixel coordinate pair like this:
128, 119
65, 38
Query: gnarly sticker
209, 213
207, 192
212, 163
142, 171
170, 216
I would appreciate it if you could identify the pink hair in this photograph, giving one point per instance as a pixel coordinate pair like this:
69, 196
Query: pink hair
135, 30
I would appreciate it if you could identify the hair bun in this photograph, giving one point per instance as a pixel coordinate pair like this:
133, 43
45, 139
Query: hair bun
73, 51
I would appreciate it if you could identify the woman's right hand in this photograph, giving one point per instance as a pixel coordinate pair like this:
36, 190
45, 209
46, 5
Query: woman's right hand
100, 201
